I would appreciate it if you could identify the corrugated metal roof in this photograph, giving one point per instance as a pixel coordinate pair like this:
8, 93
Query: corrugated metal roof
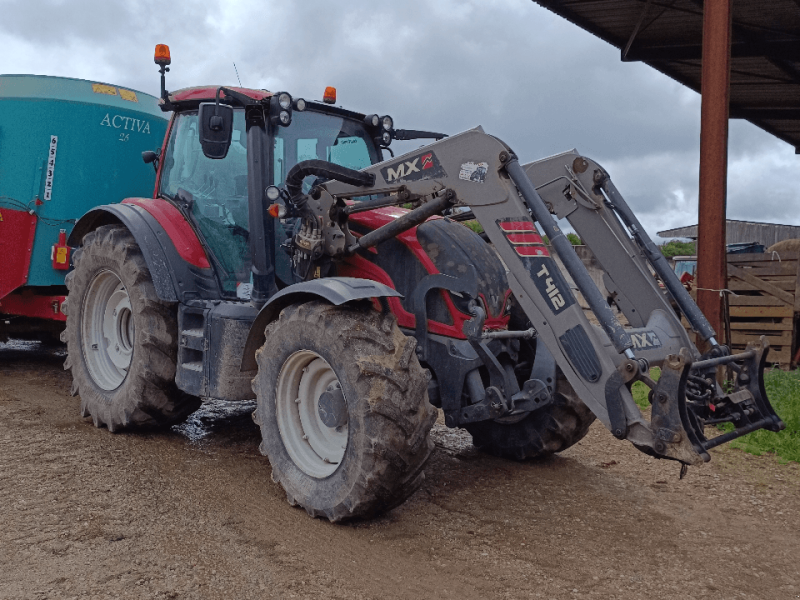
667, 35
738, 232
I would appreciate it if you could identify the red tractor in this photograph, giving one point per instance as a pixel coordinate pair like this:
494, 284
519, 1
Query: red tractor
281, 259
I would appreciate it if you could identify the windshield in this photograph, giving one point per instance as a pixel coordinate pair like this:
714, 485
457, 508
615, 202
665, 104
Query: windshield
325, 137
314, 135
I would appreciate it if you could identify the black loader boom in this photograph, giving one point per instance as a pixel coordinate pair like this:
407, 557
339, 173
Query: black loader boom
478, 171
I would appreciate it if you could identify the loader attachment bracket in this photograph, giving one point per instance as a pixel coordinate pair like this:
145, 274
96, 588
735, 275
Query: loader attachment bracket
676, 428
680, 414
746, 406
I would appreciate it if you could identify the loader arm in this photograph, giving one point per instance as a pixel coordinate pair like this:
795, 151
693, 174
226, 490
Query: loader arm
600, 362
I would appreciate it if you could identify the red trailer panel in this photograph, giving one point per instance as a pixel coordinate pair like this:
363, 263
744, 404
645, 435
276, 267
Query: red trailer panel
17, 229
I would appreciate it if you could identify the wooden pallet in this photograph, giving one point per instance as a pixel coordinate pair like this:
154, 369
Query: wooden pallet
767, 299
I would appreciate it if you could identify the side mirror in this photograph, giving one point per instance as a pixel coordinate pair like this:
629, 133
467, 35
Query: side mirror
215, 129
148, 156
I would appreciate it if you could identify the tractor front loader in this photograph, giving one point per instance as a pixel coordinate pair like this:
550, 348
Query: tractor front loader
278, 260
476, 170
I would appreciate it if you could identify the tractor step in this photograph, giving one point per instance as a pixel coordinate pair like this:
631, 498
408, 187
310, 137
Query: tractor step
211, 336
192, 348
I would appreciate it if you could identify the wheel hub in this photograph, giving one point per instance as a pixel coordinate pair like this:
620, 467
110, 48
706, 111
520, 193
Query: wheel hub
107, 330
332, 407
312, 413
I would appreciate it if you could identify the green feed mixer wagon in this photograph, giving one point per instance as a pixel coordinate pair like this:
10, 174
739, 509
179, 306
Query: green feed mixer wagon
66, 145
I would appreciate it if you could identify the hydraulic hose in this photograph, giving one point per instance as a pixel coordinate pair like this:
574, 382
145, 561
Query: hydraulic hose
329, 170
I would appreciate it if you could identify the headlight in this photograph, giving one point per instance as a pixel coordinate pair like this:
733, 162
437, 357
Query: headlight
284, 117
285, 100
386, 138
387, 122
300, 104
272, 193
372, 120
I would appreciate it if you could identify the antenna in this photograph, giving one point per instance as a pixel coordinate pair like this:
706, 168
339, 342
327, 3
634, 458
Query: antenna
237, 74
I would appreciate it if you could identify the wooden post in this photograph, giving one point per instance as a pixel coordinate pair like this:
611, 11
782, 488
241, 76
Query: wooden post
715, 90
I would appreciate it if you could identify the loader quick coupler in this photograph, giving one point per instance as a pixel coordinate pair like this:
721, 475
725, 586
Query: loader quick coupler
746, 405
687, 399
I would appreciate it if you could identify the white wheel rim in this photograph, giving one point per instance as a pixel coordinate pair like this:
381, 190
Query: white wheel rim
107, 331
313, 446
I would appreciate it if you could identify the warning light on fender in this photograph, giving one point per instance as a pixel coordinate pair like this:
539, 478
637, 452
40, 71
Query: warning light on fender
162, 54
330, 95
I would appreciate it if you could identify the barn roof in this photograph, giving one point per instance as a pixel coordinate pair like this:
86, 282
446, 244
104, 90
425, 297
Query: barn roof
738, 232
667, 35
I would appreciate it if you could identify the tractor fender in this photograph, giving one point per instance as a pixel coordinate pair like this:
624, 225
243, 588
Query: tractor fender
335, 290
174, 278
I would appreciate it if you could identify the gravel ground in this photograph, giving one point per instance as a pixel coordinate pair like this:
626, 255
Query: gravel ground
191, 513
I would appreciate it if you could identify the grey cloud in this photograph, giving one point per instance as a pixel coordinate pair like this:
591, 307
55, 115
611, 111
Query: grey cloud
529, 77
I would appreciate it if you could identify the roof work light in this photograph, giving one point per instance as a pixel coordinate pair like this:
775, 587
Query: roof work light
280, 109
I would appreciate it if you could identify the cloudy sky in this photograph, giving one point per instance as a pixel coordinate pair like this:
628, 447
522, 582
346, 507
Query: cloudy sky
529, 77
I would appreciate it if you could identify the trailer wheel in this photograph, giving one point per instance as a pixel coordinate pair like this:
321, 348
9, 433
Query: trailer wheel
546, 431
343, 409
121, 339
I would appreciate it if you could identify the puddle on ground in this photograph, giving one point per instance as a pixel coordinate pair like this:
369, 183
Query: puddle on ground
29, 350
221, 419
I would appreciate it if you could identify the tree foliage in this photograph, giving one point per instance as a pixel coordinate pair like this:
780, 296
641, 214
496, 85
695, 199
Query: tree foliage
678, 248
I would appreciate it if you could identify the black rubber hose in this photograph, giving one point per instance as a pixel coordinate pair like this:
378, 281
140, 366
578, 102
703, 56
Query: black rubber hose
323, 168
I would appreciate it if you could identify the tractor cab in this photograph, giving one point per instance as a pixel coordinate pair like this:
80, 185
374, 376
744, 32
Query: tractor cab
214, 191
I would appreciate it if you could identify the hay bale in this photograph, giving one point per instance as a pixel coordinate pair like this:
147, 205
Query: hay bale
785, 246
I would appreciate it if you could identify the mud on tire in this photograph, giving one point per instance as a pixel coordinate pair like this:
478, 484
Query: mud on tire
111, 278
546, 431
384, 434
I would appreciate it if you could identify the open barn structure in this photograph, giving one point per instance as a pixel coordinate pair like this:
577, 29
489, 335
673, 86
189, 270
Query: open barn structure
743, 57
667, 35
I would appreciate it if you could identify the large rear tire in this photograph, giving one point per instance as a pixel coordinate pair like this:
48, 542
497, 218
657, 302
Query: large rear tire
122, 340
550, 429
343, 409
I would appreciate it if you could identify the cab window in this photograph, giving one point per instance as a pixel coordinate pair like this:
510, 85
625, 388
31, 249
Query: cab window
219, 194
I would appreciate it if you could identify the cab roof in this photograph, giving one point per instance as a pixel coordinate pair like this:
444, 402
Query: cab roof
205, 93
190, 98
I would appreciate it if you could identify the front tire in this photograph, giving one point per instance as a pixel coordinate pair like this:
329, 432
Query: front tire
121, 338
343, 410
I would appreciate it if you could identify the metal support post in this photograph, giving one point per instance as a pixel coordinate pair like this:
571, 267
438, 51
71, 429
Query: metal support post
715, 89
